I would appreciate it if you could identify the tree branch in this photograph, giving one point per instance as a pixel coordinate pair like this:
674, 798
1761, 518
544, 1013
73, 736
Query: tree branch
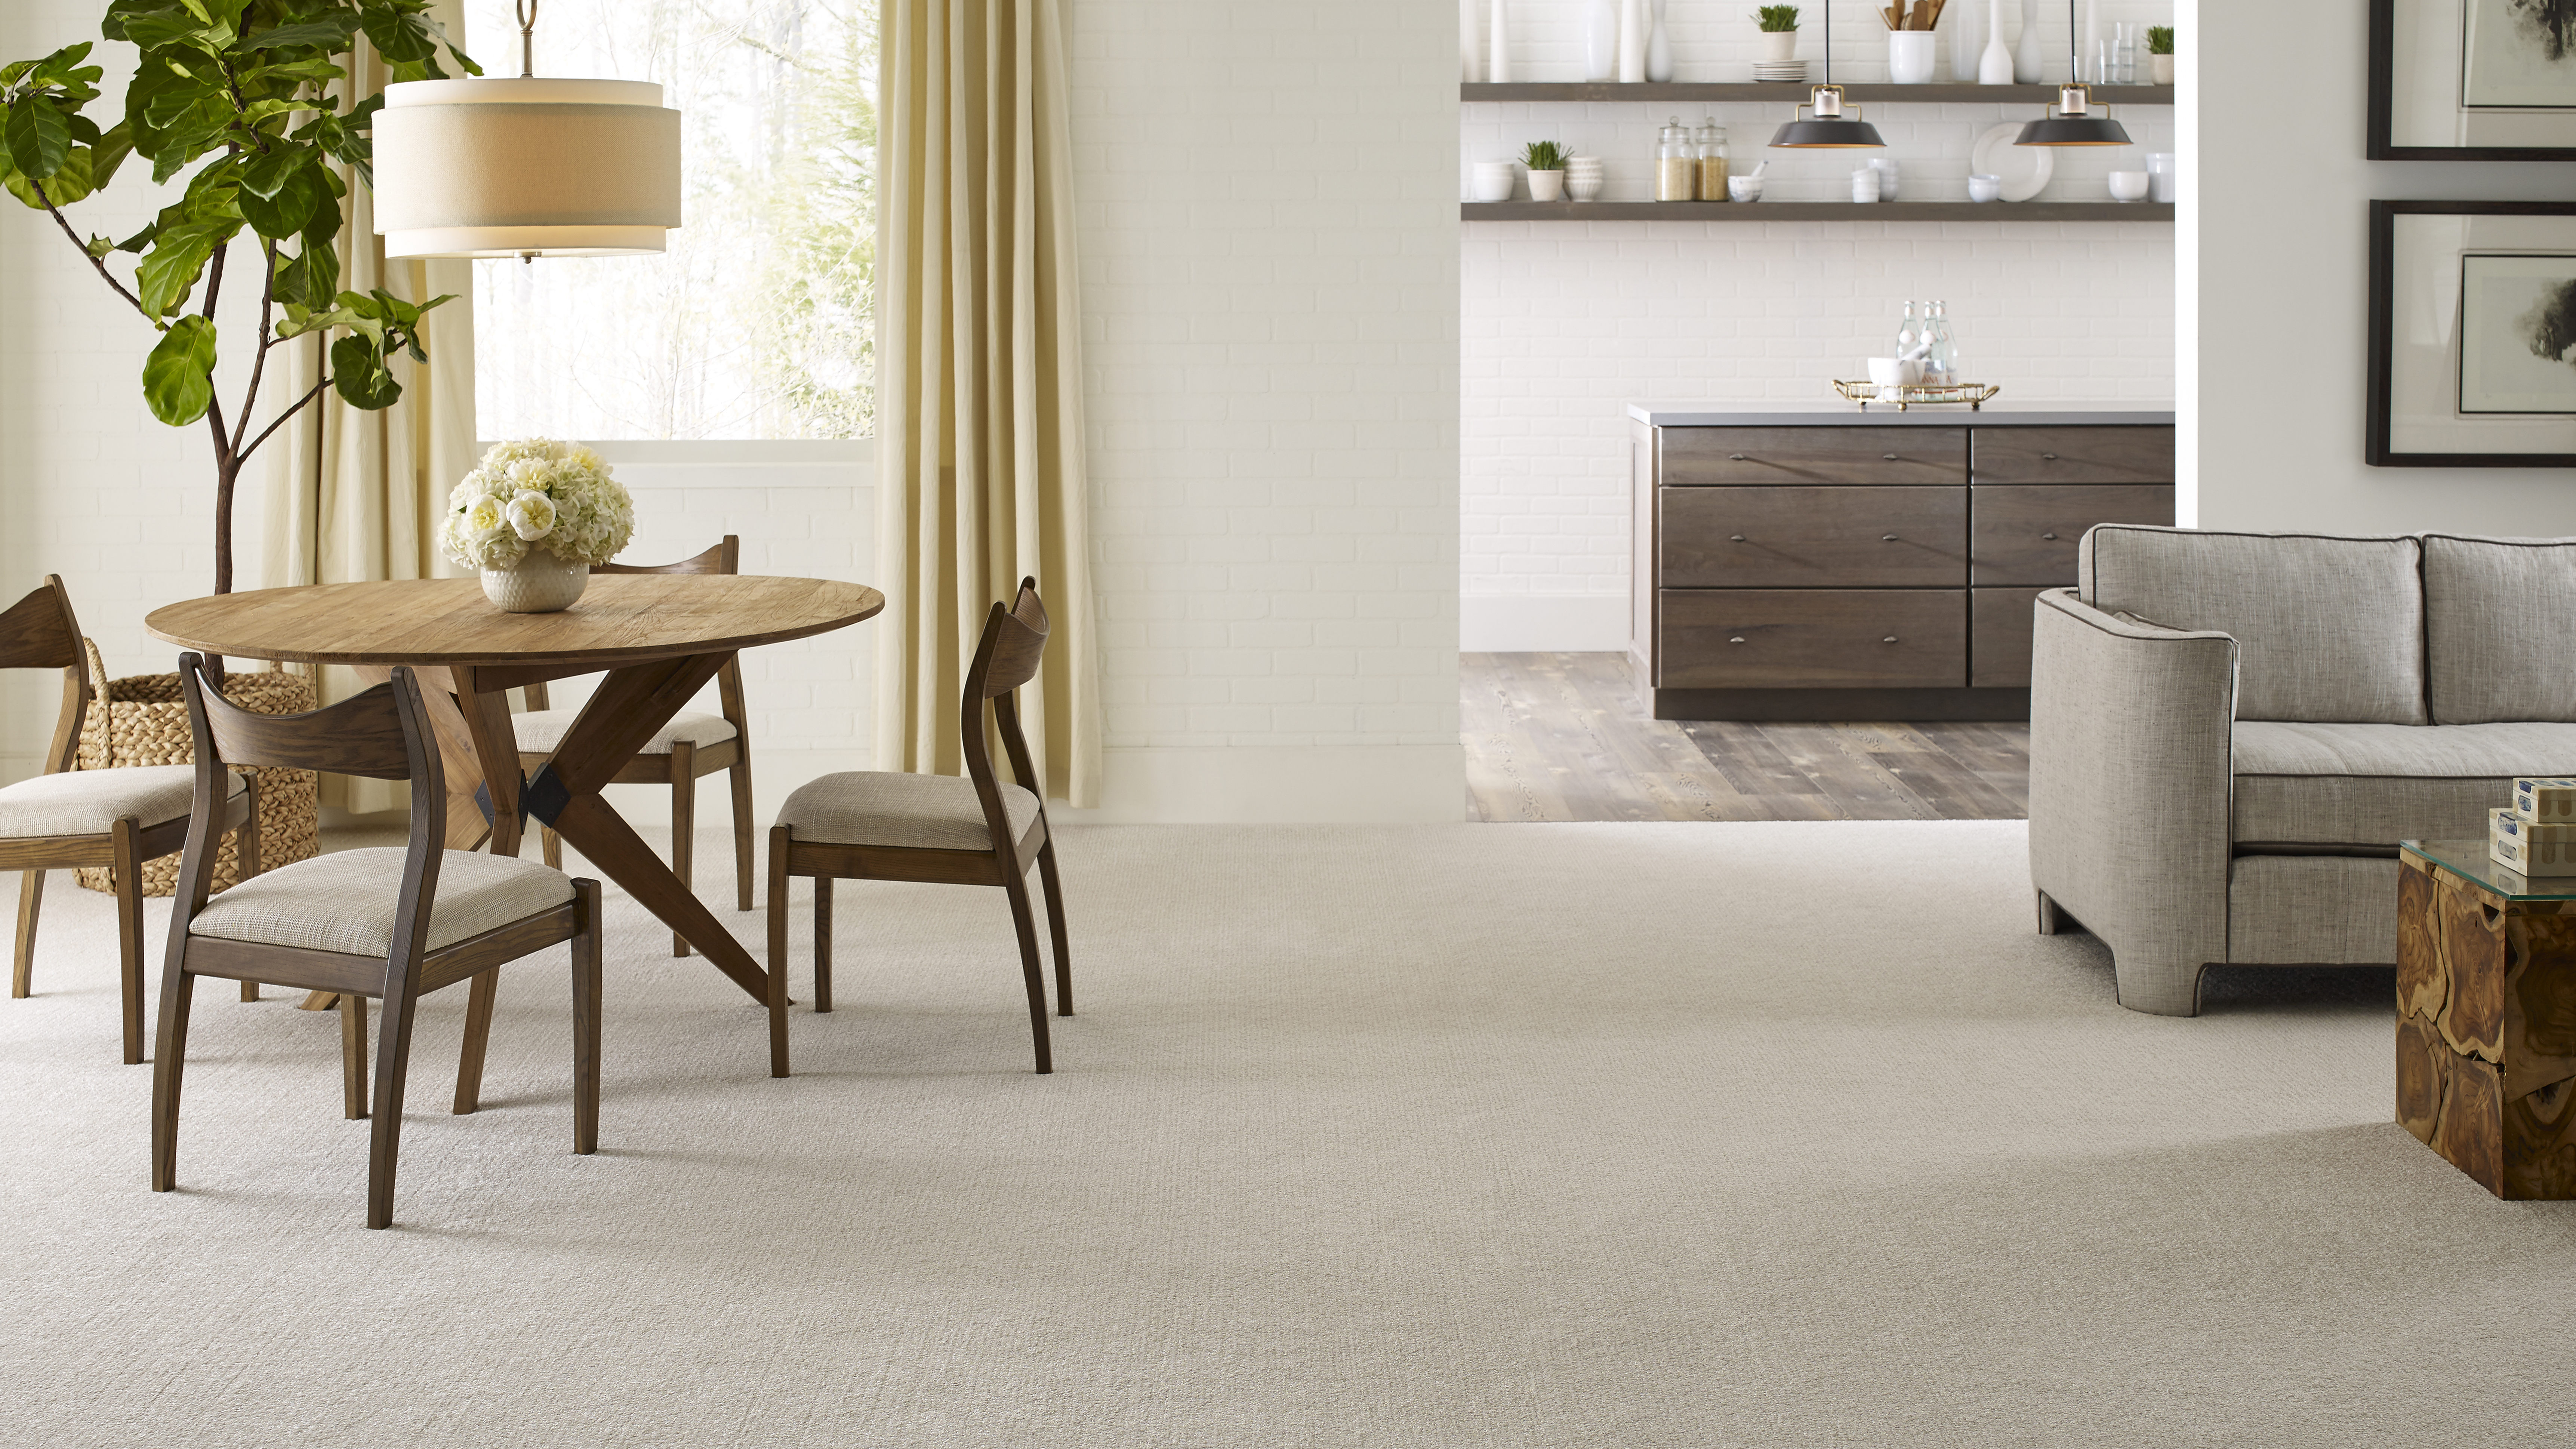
104, 274
281, 418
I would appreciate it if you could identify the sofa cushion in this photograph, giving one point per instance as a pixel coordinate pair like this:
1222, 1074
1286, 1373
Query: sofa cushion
2363, 784
2328, 628
2498, 613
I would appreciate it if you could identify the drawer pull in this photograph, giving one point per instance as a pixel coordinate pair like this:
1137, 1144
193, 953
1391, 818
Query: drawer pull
1890, 457
2050, 537
2051, 457
1735, 538
1887, 538
1738, 639
1890, 639
1736, 457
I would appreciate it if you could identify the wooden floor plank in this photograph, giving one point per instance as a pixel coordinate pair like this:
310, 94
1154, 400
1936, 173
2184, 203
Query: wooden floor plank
1567, 737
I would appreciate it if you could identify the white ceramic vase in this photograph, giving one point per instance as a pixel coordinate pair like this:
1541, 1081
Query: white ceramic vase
2027, 56
1601, 40
1910, 54
1659, 48
1498, 46
537, 584
1470, 54
1779, 45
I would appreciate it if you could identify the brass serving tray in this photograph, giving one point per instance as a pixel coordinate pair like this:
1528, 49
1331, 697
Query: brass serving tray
1865, 393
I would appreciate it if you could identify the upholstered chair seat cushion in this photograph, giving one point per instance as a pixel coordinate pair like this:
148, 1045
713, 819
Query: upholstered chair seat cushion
2374, 785
540, 730
90, 802
345, 901
2328, 628
919, 812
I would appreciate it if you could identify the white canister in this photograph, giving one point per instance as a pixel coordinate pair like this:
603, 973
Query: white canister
1910, 55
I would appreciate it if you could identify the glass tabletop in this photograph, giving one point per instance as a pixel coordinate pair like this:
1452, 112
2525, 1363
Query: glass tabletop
2469, 858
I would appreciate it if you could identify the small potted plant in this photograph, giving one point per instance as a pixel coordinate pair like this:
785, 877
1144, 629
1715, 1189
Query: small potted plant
2160, 53
1546, 163
1779, 32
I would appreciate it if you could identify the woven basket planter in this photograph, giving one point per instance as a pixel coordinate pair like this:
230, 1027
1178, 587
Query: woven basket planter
143, 720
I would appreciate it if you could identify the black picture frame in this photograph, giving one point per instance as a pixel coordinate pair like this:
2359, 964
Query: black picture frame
2380, 145
2383, 314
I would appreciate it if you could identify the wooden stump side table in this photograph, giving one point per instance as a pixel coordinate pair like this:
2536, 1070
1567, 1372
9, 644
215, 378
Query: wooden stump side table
2486, 1017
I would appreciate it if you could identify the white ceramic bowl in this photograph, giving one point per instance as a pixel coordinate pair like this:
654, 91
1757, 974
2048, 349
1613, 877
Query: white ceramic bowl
1985, 188
2128, 186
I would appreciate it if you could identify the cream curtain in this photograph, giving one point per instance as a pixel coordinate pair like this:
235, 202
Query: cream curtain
354, 495
979, 380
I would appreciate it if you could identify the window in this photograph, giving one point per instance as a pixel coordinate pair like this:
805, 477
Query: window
759, 322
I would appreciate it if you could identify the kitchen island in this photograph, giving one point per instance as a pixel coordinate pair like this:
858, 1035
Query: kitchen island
1835, 563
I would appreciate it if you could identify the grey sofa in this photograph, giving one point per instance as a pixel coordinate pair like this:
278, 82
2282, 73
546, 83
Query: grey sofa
2231, 731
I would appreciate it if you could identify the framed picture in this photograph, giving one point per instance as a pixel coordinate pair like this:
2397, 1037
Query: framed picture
2472, 334
2472, 80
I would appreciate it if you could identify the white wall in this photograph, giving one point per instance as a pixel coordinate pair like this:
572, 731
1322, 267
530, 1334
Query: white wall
1565, 324
2282, 234
1270, 271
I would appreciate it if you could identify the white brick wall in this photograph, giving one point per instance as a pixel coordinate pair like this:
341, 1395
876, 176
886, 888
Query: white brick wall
1565, 324
1270, 272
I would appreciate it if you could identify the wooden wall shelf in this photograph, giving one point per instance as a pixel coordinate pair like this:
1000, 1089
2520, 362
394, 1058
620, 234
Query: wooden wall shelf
2080, 211
1794, 92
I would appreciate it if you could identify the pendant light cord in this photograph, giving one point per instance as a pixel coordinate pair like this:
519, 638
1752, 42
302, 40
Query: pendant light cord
526, 10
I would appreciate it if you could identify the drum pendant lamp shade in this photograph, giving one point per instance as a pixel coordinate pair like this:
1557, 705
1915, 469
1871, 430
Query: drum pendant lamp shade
507, 168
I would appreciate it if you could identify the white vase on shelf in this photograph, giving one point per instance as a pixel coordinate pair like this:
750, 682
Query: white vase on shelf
1995, 66
2027, 54
1470, 54
1600, 40
1659, 48
1498, 46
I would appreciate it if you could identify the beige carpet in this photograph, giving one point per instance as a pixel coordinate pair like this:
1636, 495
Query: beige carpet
1599, 1135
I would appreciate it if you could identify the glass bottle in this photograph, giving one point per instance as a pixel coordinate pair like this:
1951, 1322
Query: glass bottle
1676, 168
1712, 160
1941, 364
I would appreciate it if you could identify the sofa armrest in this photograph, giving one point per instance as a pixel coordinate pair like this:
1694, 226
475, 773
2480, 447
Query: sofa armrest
2131, 786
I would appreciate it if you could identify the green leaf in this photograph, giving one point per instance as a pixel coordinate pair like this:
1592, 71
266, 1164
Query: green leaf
179, 375
37, 136
359, 374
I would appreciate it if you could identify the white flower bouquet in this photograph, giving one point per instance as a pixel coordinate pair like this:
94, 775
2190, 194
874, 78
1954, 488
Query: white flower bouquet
537, 493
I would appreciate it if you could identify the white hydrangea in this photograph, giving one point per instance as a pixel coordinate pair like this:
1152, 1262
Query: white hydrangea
537, 493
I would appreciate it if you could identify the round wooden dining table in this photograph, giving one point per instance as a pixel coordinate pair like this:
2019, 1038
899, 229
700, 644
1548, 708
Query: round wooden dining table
658, 638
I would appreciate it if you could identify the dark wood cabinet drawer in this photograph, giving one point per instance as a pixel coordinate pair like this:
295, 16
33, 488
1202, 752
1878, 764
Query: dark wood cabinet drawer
2026, 534
1811, 537
1999, 625
1809, 638
2075, 455
1699, 457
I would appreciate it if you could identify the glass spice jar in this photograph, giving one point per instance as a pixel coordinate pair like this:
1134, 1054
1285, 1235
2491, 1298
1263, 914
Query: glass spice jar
1676, 163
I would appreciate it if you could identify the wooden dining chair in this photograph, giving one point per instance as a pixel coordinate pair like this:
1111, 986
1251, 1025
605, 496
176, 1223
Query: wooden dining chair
394, 924
690, 746
66, 818
975, 830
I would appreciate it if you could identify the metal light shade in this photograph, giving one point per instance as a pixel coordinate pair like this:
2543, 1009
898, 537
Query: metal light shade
1827, 127
526, 167
2073, 123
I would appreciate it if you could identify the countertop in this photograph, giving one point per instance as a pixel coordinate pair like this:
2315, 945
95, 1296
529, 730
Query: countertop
1995, 414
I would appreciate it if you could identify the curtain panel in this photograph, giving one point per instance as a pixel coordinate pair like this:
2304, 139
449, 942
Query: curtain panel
353, 495
979, 384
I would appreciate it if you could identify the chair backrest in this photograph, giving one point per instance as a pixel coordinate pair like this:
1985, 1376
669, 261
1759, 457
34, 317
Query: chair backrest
382, 734
39, 632
724, 558
1006, 657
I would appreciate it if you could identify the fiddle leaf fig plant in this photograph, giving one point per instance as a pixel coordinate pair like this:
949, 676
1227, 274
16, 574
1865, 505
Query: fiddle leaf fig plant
236, 96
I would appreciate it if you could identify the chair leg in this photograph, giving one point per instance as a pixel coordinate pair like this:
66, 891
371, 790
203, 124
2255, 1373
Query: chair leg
128, 873
822, 943
353, 1056
739, 775
778, 951
478, 1034
31, 898
553, 846
169, 1057
684, 827
1055, 927
585, 1021
393, 1059
1026, 923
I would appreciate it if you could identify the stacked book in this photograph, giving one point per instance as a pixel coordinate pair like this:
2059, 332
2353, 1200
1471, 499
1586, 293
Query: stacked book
2538, 835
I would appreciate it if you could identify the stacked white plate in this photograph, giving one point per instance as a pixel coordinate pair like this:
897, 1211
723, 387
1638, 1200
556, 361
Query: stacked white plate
1584, 177
1779, 70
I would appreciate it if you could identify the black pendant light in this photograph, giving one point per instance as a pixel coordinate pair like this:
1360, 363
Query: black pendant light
2073, 122
1826, 127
